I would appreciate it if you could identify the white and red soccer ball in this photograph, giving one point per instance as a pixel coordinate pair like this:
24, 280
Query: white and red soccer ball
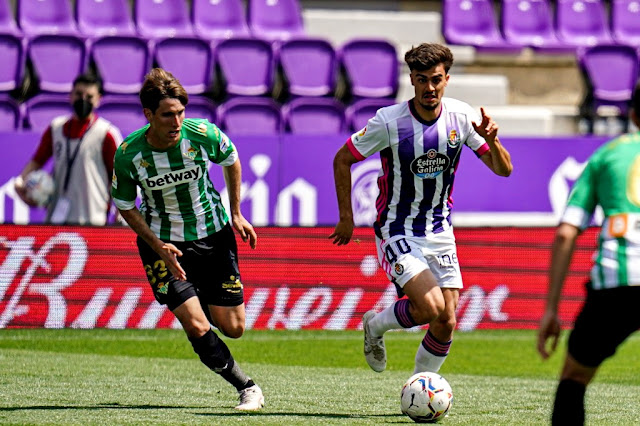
426, 397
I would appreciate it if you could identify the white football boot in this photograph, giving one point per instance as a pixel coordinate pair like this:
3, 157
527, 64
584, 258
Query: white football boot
374, 350
251, 399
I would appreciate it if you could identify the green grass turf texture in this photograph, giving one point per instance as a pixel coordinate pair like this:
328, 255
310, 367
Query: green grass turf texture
308, 377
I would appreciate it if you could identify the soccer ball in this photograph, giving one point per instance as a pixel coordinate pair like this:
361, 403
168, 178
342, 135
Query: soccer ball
426, 397
39, 187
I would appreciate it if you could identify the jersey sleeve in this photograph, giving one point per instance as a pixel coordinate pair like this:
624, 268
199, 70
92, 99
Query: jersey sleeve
217, 145
374, 137
45, 148
583, 198
123, 184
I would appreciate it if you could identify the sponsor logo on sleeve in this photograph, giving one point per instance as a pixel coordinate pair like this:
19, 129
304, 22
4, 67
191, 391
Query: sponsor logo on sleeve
224, 143
360, 134
173, 178
114, 180
202, 128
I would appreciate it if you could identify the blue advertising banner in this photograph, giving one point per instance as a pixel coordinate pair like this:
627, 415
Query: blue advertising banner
288, 181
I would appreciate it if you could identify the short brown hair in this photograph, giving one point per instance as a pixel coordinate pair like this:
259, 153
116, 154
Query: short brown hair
428, 55
158, 85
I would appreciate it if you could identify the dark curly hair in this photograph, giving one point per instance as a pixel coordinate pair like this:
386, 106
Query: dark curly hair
428, 55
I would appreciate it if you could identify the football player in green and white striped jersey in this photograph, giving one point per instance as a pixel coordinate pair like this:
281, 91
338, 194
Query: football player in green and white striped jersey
182, 216
611, 179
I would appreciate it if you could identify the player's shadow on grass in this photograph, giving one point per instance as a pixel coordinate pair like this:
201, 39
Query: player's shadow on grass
110, 405
401, 418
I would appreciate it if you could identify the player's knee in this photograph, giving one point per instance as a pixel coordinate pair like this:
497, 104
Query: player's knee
233, 331
428, 309
195, 328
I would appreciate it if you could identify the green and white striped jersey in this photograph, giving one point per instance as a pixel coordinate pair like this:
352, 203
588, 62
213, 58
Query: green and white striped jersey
611, 179
179, 202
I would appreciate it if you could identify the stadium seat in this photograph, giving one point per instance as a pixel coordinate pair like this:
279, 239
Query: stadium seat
473, 23
189, 59
246, 66
12, 52
371, 67
625, 21
309, 66
611, 72
41, 109
313, 116
122, 62
201, 107
46, 17
275, 20
582, 23
124, 111
250, 116
57, 60
157, 19
358, 114
8, 23
98, 18
10, 114
218, 20
530, 23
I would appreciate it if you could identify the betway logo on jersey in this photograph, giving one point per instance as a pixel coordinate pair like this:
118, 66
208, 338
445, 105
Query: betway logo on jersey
173, 178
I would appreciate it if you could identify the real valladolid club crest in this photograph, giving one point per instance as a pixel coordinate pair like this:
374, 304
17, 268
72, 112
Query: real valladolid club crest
454, 139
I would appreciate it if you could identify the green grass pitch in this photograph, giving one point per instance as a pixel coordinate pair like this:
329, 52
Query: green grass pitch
309, 377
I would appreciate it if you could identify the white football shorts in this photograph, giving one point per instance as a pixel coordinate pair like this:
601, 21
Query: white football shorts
403, 257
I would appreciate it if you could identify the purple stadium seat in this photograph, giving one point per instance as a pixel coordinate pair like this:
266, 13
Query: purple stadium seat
42, 108
194, 63
612, 71
473, 23
250, 116
313, 116
358, 114
582, 22
275, 19
8, 23
531, 23
10, 114
122, 62
57, 60
309, 66
46, 17
124, 111
220, 19
97, 18
371, 67
12, 52
247, 66
201, 107
163, 18
625, 21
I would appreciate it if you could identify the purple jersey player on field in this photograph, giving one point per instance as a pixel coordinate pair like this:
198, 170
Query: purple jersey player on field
420, 142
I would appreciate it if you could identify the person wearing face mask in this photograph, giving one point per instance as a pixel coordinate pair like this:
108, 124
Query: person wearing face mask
83, 146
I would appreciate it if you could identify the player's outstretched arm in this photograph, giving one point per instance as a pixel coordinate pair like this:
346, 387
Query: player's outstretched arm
167, 251
342, 163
